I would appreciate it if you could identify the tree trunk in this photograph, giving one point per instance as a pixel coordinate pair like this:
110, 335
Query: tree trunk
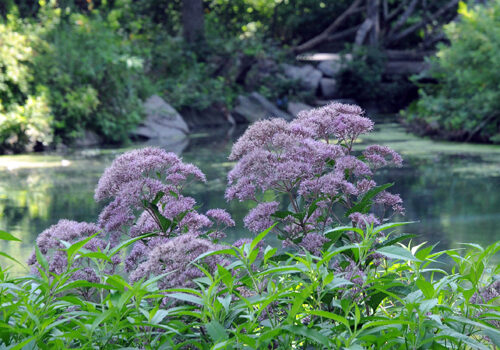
372, 13
192, 20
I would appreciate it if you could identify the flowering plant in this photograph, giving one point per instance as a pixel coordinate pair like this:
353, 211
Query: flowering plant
310, 161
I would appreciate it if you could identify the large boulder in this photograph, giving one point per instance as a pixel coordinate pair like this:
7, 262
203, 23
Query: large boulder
256, 107
329, 87
294, 108
307, 75
88, 139
330, 68
162, 121
214, 115
331, 65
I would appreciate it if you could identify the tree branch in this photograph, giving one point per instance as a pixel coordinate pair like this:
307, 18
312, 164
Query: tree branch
331, 28
344, 33
396, 11
397, 37
404, 17
363, 31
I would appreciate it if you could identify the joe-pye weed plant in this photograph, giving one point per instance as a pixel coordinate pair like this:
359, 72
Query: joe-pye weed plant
153, 273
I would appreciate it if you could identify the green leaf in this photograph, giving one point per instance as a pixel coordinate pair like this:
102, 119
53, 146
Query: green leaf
157, 198
78, 245
308, 333
363, 205
216, 331
390, 225
426, 288
331, 316
187, 298
298, 301
41, 259
8, 237
375, 299
129, 242
5, 255
260, 237
397, 252
395, 240
95, 255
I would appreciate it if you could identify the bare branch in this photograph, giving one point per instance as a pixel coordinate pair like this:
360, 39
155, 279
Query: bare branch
344, 33
331, 28
404, 17
385, 8
397, 37
396, 11
363, 31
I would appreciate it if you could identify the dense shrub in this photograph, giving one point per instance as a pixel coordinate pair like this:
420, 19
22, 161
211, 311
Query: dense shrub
25, 115
60, 77
465, 102
95, 79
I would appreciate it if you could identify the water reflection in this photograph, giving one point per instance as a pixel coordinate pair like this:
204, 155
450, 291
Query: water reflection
451, 189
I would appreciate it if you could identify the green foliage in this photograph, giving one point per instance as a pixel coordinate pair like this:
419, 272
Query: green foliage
465, 102
95, 79
361, 73
25, 115
406, 298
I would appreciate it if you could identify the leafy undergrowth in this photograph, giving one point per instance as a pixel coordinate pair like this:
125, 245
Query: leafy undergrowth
388, 296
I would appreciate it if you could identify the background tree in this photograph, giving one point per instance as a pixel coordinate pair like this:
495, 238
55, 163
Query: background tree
192, 21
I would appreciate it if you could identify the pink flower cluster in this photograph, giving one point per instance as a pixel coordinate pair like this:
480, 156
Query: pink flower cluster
50, 244
176, 257
310, 162
133, 182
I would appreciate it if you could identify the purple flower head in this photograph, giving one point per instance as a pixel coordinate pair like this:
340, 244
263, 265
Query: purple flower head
345, 122
362, 220
135, 179
364, 185
258, 135
313, 243
259, 218
50, 244
377, 156
221, 217
175, 257
309, 161
352, 164
487, 293
390, 200
132, 166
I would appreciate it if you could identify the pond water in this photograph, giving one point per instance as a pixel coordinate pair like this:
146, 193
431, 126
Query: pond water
451, 189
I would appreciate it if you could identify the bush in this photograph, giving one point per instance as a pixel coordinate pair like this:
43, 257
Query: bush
25, 115
465, 102
95, 79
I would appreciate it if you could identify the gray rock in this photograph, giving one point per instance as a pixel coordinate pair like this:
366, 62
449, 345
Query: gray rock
330, 68
256, 107
89, 139
329, 87
308, 76
162, 121
295, 107
405, 67
211, 116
